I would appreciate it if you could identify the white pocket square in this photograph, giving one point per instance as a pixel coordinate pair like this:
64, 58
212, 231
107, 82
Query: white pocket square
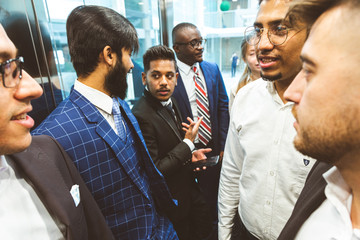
75, 193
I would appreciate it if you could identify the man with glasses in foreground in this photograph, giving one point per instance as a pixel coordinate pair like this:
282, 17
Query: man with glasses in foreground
262, 173
42, 193
200, 92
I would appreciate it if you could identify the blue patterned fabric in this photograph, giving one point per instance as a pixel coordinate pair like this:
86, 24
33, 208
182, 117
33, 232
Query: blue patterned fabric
118, 119
106, 163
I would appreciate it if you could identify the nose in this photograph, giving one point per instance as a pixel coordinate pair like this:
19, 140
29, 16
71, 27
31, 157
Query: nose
264, 43
131, 64
28, 88
295, 91
163, 80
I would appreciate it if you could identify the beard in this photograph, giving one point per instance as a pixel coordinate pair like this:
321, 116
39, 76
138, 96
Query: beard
270, 78
115, 81
330, 140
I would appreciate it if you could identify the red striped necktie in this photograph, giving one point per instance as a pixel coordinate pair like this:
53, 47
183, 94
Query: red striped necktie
202, 108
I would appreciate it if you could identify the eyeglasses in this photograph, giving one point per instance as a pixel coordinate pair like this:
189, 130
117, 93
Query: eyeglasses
277, 35
194, 43
11, 72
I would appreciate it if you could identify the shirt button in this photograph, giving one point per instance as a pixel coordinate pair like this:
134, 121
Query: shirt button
272, 173
276, 141
268, 202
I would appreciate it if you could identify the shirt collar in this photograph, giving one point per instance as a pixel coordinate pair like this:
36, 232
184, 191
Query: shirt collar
186, 69
99, 99
4, 168
336, 185
270, 86
165, 103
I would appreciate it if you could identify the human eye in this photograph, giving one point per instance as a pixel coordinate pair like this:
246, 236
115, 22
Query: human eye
169, 75
258, 30
279, 30
194, 42
308, 73
155, 75
7, 69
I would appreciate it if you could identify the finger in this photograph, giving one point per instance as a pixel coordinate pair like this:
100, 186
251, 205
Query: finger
185, 125
190, 120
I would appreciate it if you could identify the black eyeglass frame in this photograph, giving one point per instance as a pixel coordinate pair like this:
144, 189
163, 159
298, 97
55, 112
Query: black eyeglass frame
19, 67
194, 43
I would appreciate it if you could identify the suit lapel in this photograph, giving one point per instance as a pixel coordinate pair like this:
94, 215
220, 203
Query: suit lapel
164, 113
105, 132
181, 92
43, 176
209, 87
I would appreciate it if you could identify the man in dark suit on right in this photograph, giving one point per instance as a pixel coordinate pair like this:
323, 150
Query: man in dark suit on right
171, 148
327, 112
201, 92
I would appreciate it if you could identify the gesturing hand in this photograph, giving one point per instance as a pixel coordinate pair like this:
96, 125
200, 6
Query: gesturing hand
191, 129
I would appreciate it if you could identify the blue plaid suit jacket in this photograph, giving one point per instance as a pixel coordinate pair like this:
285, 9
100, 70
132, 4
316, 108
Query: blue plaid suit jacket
108, 171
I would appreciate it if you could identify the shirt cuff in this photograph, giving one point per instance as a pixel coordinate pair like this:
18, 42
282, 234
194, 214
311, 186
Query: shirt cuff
190, 144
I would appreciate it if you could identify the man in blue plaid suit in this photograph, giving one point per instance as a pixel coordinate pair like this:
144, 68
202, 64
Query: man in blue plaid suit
97, 129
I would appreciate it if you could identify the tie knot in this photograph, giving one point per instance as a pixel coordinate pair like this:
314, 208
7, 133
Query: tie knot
194, 68
169, 106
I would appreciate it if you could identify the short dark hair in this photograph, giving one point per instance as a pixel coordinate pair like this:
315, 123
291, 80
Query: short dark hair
179, 28
90, 29
309, 11
159, 52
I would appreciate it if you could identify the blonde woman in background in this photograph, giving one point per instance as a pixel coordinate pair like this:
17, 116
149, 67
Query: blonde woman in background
251, 72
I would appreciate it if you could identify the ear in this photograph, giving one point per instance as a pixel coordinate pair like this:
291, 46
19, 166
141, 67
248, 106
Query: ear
176, 48
176, 77
108, 55
143, 77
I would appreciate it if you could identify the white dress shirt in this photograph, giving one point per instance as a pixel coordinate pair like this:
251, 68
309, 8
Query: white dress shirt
187, 76
262, 174
100, 100
22, 213
332, 219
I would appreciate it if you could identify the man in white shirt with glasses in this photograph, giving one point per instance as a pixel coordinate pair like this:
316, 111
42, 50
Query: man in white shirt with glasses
262, 173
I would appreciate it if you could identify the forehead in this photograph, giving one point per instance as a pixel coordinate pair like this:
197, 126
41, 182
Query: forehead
327, 37
162, 65
7, 47
188, 34
272, 11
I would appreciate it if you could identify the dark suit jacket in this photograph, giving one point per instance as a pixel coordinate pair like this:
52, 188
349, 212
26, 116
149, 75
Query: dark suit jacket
51, 172
311, 197
218, 103
170, 154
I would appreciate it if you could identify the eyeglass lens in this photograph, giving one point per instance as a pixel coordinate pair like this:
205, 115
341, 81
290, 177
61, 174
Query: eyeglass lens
11, 72
276, 37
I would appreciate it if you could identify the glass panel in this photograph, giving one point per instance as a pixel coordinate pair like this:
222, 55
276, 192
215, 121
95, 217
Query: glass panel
144, 15
222, 23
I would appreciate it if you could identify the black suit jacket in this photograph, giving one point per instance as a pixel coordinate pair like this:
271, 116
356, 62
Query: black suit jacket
164, 140
311, 197
51, 173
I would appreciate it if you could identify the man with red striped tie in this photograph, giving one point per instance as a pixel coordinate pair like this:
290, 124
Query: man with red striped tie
200, 92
